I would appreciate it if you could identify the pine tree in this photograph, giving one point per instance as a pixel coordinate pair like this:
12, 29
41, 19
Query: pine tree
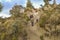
46, 2
29, 4
1, 7
54, 2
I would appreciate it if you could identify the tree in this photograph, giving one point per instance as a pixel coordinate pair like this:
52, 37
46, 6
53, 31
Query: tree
15, 11
46, 1
16, 24
1, 7
49, 20
29, 4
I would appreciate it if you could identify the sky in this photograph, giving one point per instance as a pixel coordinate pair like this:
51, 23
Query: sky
8, 4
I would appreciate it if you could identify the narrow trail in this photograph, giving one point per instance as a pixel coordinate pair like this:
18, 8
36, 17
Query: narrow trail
34, 32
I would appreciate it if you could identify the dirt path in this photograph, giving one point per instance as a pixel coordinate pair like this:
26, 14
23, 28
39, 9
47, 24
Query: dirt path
34, 32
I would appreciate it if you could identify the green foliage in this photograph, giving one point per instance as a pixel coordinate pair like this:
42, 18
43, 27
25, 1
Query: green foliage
16, 26
49, 21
